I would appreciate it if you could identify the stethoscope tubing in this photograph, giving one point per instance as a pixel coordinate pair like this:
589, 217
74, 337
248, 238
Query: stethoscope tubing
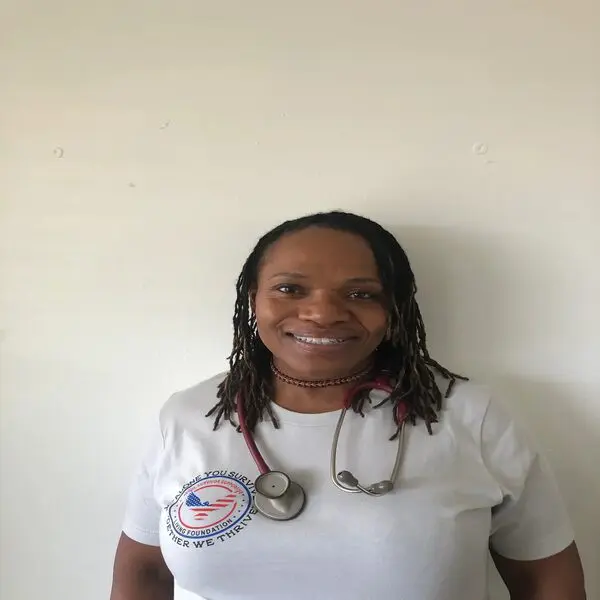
281, 498
377, 384
249, 438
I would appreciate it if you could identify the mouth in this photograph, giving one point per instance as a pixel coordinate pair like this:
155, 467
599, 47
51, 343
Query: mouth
321, 341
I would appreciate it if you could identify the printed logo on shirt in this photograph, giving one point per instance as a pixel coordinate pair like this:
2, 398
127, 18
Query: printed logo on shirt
212, 508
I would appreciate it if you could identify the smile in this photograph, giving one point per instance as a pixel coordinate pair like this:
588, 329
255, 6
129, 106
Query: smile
319, 341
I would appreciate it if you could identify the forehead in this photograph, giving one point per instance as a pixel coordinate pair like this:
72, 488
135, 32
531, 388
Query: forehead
319, 251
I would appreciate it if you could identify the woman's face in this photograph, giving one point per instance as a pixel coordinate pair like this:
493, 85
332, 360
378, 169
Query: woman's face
319, 303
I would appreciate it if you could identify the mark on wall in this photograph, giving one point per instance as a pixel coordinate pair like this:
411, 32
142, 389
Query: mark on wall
480, 148
59, 152
165, 124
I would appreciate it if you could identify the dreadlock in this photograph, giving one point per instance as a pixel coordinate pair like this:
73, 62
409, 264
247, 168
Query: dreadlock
403, 355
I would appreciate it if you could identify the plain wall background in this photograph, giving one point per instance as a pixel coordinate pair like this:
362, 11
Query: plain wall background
144, 146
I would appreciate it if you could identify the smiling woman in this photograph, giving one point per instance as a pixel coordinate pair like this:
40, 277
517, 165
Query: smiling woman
326, 309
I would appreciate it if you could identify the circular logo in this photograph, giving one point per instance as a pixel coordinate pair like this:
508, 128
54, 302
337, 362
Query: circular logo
211, 506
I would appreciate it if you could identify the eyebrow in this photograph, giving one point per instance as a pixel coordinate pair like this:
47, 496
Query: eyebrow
297, 275
289, 274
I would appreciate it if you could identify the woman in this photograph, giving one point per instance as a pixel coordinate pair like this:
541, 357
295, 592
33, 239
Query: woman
324, 303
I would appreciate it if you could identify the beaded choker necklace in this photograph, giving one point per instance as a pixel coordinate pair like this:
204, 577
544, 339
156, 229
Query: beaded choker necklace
319, 383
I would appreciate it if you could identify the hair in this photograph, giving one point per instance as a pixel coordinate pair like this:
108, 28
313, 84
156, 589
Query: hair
402, 356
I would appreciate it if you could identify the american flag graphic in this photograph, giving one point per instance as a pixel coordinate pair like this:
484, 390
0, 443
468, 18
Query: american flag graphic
202, 509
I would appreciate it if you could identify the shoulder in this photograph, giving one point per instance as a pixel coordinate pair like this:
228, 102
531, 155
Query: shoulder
466, 406
191, 404
478, 405
475, 412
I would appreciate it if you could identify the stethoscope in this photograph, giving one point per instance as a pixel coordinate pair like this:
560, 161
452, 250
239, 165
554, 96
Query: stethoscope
278, 497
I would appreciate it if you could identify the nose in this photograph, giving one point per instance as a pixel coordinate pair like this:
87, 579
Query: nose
323, 308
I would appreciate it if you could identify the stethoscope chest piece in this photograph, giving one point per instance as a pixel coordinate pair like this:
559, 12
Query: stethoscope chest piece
278, 497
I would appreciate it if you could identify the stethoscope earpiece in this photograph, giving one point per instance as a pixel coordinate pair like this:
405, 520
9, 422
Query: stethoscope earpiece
381, 488
346, 478
349, 483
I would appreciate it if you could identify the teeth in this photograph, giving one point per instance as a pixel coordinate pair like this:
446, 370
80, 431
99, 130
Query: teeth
315, 340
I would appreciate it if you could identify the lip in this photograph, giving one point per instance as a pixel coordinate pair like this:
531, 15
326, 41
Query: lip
329, 342
325, 335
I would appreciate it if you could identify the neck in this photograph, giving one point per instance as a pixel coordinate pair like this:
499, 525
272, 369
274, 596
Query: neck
314, 396
310, 400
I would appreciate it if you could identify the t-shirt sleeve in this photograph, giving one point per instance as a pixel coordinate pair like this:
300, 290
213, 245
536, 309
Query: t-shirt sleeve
142, 514
531, 522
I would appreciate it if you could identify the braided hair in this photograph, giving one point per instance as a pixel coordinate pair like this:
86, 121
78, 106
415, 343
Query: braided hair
402, 356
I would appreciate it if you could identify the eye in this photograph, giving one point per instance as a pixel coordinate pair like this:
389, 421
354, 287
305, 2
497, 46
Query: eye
288, 289
362, 295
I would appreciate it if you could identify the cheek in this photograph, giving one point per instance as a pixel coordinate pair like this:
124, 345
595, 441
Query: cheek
267, 313
375, 321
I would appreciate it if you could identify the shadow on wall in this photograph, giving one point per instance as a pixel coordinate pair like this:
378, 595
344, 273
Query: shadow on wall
480, 298
476, 294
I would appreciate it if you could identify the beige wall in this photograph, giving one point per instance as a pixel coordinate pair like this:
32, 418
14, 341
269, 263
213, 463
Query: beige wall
145, 145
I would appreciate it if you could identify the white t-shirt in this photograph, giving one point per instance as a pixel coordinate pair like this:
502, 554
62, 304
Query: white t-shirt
476, 480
